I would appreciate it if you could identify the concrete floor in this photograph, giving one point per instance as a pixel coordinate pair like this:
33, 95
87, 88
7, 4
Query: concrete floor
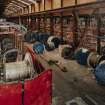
77, 81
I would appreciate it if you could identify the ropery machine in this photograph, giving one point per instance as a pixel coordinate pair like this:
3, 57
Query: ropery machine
11, 63
23, 80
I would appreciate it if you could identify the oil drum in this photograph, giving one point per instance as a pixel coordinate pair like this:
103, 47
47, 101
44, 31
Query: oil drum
94, 59
81, 56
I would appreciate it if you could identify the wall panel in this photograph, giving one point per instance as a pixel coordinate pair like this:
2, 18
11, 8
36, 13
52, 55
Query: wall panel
36, 7
42, 5
68, 3
85, 1
47, 4
56, 4
32, 8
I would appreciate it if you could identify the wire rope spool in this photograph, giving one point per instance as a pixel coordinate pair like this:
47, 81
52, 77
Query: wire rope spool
54, 41
38, 68
49, 47
31, 37
29, 60
67, 52
103, 50
94, 59
43, 37
34, 36
16, 71
38, 48
81, 56
61, 47
32, 54
100, 72
27, 37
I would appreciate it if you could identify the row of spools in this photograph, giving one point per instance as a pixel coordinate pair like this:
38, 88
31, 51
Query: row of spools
93, 60
42, 41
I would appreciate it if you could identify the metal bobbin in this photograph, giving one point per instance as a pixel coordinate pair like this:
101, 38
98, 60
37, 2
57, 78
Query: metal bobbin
102, 62
67, 52
61, 47
16, 71
94, 59
38, 48
101, 59
81, 55
100, 72
53, 41
29, 61
43, 37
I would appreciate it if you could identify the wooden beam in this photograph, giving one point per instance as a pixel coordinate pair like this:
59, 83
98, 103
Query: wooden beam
92, 5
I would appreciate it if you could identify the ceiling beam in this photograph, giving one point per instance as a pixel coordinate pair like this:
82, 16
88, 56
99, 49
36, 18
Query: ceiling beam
15, 5
18, 3
24, 2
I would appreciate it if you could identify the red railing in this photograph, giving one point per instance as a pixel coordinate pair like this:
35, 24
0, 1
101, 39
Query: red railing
37, 91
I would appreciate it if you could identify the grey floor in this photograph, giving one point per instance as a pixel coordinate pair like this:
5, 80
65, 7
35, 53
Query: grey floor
76, 82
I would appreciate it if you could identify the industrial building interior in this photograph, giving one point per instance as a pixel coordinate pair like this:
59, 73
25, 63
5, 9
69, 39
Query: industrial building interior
52, 52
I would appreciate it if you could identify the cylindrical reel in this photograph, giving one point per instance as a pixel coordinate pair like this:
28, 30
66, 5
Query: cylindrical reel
29, 61
100, 72
94, 59
53, 41
66, 51
16, 71
50, 43
43, 37
31, 37
61, 47
34, 36
103, 50
38, 48
102, 62
81, 55
49, 47
37, 67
